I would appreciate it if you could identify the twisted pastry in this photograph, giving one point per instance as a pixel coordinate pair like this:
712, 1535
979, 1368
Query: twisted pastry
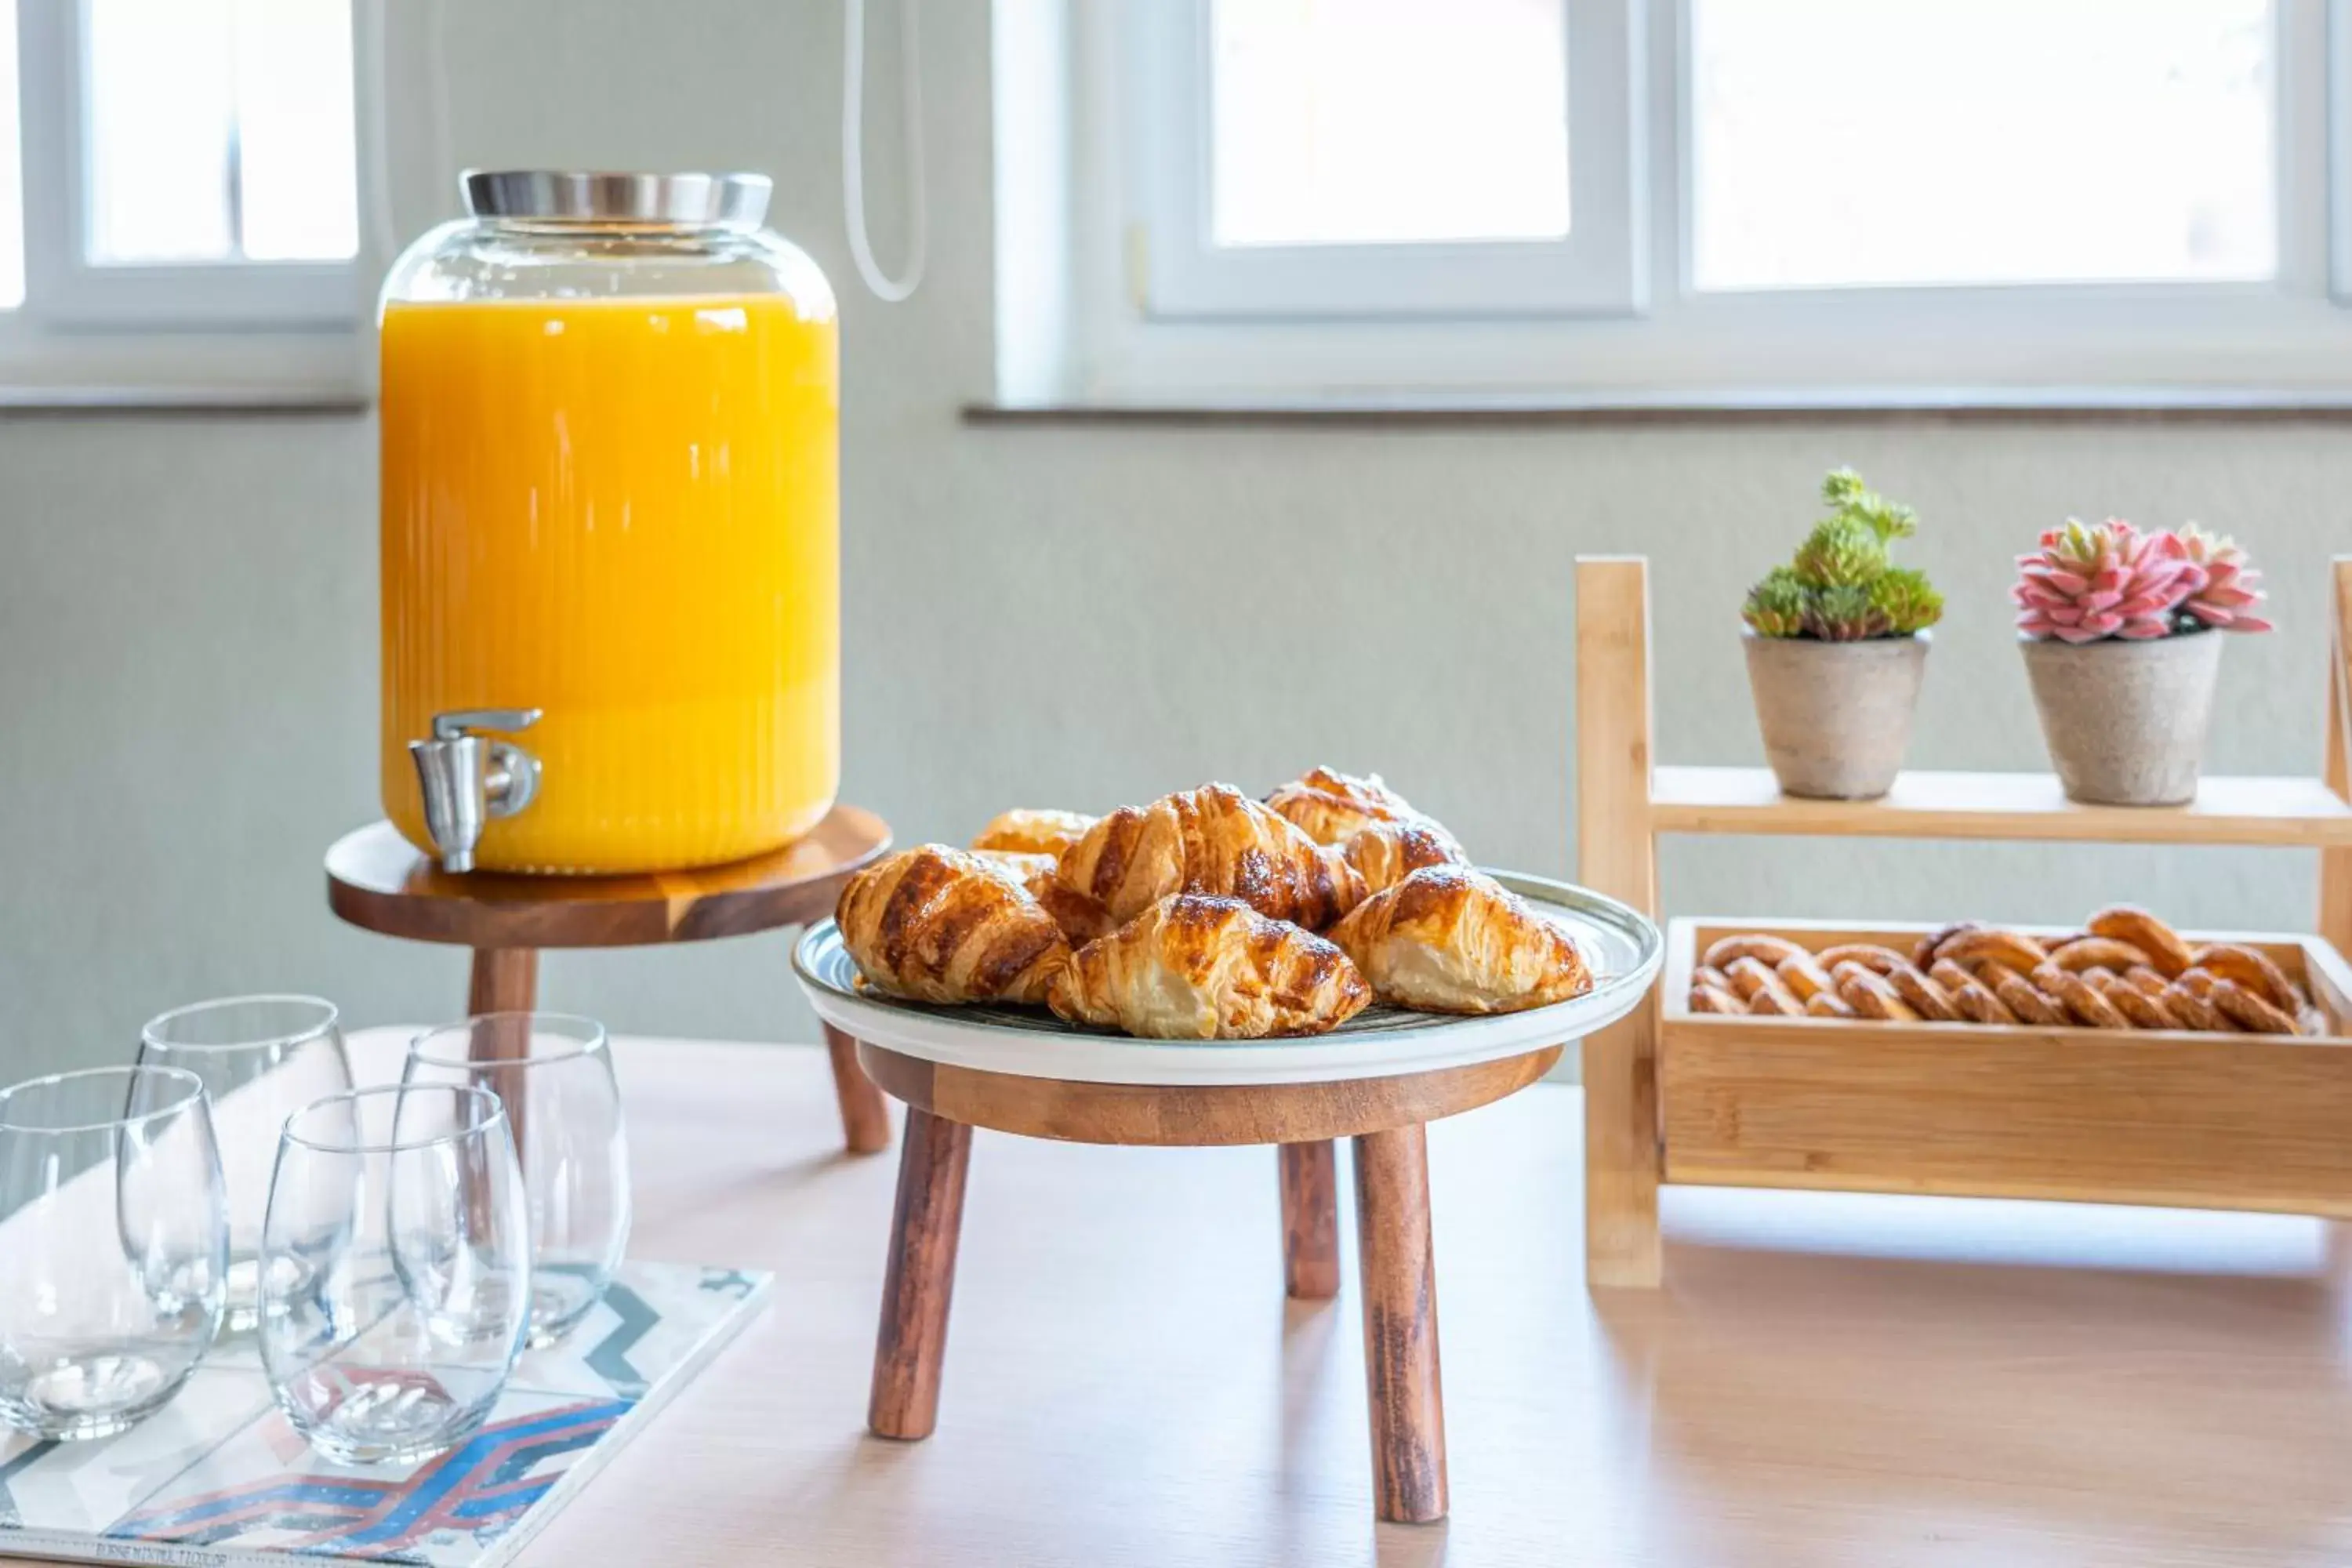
1201, 968
2167, 954
2251, 970
943, 925
1761, 987
1755, 944
1212, 840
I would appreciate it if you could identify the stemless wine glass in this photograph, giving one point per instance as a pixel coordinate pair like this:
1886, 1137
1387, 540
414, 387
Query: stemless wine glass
395, 1270
113, 1244
554, 1073
262, 1058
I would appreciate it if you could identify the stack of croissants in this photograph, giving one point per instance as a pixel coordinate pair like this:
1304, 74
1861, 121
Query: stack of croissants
1209, 915
2125, 970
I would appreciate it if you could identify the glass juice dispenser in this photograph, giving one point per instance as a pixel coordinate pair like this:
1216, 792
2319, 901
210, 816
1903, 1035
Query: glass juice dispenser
611, 528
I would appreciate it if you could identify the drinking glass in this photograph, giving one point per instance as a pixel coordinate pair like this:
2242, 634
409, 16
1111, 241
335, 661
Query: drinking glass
554, 1074
113, 1246
395, 1270
262, 1058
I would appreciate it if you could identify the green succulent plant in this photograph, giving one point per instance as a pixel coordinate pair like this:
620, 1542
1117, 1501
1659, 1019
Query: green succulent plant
1842, 584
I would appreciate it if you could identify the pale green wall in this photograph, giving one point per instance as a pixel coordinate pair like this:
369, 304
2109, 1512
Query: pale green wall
1067, 617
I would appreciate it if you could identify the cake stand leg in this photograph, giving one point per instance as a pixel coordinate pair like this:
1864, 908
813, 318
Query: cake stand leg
1399, 1283
1310, 1220
865, 1118
505, 979
933, 1156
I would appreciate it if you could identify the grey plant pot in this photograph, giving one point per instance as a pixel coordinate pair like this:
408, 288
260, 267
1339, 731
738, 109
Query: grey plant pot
1836, 716
2126, 721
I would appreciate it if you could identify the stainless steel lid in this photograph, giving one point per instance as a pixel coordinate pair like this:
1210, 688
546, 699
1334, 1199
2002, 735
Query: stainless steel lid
583, 197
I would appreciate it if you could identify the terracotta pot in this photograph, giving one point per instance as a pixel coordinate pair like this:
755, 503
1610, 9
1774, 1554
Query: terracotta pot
1836, 716
2126, 721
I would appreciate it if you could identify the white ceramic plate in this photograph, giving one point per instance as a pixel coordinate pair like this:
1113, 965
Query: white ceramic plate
1622, 948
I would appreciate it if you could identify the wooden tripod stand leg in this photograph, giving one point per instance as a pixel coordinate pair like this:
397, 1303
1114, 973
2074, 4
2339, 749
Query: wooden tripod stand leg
1310, 1220
912, 1343
1399, 1283
505, 979
1617, 854
865, 1117
2336, 865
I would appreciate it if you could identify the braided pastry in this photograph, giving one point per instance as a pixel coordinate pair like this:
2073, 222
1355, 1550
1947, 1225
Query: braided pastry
2139, 1009
1880, 960
1770, 949
2018, 994
1927, 998
1869, 994
2008, 948
2186, 1004
1761, 987
2097, 952
2241, 1006
1705, 974
1715, 999
2254, 971
1976, 1003
938, 924
1213, 840
1194, 967
1829, 1005
1804, 975
2079, 996
2148, 982
2167, 954
1931, 946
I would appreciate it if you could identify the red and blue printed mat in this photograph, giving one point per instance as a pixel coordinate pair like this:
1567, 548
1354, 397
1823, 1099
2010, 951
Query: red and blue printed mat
218, 1478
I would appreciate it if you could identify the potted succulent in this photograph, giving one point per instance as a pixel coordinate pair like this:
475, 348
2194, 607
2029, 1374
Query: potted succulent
1837, 642
2117, 625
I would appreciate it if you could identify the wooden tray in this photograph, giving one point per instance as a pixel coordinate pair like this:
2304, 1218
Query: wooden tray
2186, 1120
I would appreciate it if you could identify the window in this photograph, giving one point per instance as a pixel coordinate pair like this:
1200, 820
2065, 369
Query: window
177, 170
1689, 201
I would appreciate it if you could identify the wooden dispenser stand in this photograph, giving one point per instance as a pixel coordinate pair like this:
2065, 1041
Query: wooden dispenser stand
2241, 1121
377, 881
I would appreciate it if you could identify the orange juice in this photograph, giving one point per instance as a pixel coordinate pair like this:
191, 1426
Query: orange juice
624, 512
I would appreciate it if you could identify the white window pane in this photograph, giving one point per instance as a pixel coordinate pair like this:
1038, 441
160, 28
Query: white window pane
221, 129
295, 130
1956, 142
1375, 122
163, 98
12, 183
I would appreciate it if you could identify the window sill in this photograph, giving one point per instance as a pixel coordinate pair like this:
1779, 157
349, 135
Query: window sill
1440, 410
22, 400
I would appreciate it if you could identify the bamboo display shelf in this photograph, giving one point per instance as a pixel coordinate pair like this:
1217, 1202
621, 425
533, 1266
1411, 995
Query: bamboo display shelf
2199, 1121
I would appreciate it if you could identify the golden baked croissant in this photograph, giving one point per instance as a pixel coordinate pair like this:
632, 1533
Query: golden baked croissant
1386, 853
1331, 806
1033, 832
1081, 918
943, 925
1450, 940
1213, 840
1194, 967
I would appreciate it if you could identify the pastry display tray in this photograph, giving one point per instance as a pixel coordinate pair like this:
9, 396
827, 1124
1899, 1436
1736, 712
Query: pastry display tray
2158, 1116
1623, 949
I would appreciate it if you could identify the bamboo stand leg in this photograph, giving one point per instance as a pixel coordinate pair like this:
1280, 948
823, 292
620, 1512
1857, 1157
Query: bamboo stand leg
1616, 855
2336, 865
912, 1342
865, 1118
1310, 1220
1399, 1284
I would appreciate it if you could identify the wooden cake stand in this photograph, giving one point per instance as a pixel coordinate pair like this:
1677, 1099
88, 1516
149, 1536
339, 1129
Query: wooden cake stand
378, 880
1377, 1080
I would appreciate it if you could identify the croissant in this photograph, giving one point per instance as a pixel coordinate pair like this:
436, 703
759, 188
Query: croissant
1081, 918
1194, 967
1331, 806
1031, 832
1450, 940
938, 924
1213, 840
1386, 853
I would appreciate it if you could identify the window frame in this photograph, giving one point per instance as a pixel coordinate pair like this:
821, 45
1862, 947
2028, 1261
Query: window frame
172, 333
1598, 267
2284, 343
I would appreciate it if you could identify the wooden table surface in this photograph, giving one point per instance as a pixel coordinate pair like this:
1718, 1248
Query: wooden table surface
1825, 1379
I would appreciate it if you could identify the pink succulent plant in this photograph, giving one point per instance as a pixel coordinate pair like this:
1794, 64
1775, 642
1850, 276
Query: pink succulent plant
2107, 581
2229, 598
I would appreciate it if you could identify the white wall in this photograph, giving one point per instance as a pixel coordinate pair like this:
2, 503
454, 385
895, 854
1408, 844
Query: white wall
1046, 617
